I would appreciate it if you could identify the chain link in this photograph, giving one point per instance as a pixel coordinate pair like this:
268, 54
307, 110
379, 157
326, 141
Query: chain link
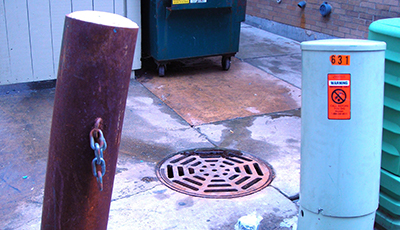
98, 144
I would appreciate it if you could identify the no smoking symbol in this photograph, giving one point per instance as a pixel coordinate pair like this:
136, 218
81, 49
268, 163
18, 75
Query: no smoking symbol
338, 96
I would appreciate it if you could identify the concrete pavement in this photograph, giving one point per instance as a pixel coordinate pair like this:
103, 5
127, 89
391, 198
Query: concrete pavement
157, 123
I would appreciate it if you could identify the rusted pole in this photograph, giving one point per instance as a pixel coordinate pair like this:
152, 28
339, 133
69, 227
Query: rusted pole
93, 79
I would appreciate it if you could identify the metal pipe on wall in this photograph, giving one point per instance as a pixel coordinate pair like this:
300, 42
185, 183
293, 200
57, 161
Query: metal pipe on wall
93, 80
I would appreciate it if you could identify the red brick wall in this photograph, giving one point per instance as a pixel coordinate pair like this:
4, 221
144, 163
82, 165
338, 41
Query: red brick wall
348, 19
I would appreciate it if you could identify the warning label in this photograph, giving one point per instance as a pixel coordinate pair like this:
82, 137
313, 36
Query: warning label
176, 2
339, 103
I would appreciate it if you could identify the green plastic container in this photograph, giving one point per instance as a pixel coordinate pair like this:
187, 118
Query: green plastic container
388, 214
389, 197
181, 29
387, 221
388, 30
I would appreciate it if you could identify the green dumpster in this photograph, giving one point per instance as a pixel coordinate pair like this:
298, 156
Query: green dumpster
388, 214
181, 29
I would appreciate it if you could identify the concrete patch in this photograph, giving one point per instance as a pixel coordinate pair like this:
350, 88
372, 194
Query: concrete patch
24, 129
140, 205
275, 55
204, 97
285, 67
256, 43
26, 215
273, 138
152, 131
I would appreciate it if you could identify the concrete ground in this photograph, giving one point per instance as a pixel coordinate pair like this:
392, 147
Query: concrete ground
189, 108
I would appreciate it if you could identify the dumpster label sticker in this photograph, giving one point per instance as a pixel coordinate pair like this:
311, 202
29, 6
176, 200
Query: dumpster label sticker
339, 103
198, 1
176, 2
340, 59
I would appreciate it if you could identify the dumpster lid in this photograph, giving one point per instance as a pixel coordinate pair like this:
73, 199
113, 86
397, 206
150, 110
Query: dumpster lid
389, 26
343, 45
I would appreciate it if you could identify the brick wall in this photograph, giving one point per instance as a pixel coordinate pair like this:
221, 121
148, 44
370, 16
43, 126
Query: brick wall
348, 19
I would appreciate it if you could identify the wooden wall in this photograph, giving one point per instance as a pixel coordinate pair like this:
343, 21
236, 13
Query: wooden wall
31, 34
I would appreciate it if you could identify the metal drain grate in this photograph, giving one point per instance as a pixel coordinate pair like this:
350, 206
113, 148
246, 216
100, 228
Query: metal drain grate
214, 173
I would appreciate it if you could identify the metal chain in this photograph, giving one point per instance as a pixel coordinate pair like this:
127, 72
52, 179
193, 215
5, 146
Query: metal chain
98, 144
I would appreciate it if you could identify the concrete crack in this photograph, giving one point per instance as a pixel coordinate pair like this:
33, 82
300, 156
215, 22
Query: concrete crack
205, 136
292, 198
140, 192
16, 189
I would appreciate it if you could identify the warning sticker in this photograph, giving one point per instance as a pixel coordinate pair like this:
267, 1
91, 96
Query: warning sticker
339, 103
176, 2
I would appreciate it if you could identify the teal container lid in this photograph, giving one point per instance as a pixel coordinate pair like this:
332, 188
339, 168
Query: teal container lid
389, 26
343, 45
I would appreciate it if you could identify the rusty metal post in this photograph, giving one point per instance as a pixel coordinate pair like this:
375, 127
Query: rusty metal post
93, 80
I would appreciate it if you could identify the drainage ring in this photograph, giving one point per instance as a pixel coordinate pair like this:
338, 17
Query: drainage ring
214, 173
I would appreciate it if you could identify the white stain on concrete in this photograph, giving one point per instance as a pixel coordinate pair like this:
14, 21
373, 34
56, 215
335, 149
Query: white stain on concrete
290, 223
253, 110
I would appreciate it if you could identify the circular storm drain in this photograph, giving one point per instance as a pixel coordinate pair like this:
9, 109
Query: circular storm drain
214, 173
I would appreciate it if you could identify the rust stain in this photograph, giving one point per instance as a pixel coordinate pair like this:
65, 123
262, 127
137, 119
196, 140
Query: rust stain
303, 21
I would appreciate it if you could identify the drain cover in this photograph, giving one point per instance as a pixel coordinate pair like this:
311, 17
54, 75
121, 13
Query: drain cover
214, 173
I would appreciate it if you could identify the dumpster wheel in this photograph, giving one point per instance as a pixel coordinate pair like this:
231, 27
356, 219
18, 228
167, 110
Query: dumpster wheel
161, 70
226, 62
